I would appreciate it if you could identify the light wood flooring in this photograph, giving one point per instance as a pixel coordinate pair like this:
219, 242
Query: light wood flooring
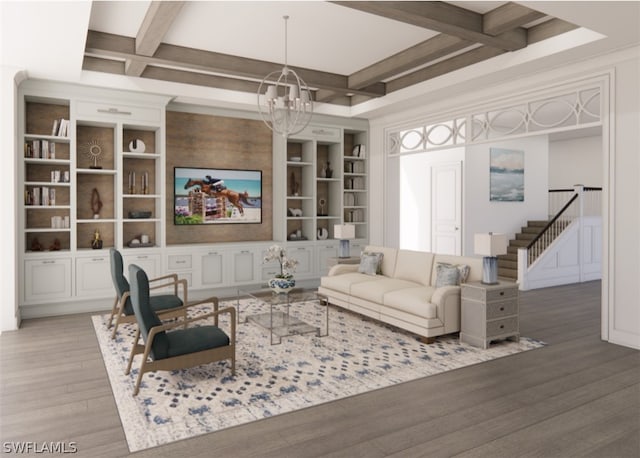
578, 397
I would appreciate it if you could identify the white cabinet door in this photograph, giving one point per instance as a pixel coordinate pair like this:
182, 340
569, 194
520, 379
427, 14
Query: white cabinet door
46, 279
244, 263
304, 256
324, 253
150, 263
212, 269
182, 265
93, 277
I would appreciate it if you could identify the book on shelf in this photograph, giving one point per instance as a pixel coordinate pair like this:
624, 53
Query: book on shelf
60, 127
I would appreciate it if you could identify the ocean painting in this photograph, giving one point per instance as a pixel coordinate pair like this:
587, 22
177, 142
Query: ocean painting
506, 175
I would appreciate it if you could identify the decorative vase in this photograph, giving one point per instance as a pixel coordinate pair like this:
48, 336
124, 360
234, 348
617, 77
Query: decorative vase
281, 285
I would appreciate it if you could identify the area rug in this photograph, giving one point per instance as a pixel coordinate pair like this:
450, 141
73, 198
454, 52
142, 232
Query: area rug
357, 356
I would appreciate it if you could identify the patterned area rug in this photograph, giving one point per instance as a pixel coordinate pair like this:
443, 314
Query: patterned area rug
358, 355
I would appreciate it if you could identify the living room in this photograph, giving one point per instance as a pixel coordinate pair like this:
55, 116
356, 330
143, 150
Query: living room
602, 54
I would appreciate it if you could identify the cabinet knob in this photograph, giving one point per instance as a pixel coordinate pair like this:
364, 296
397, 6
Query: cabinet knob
502, 309
502, 293
502, 326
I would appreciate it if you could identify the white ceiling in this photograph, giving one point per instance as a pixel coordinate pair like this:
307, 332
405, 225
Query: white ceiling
48, 38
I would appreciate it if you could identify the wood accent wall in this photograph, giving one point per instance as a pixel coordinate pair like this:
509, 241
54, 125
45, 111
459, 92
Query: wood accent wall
208, 141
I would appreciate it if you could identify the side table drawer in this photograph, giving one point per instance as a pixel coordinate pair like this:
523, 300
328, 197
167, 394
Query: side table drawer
489, 295
500, 309
179, 261
504, 326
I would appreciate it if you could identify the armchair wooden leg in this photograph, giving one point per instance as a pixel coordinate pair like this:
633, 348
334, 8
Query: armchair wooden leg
115, 327
113, 312
139, 379
134, 351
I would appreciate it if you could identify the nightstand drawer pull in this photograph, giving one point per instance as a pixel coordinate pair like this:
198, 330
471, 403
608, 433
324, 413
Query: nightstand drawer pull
502, 293
502, 309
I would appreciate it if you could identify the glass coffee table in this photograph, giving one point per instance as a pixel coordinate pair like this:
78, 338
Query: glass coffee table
277, 317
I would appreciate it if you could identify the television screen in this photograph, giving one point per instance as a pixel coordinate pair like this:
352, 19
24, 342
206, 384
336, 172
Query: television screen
217, 196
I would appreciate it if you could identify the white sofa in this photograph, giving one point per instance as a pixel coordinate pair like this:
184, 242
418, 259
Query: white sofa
404, 294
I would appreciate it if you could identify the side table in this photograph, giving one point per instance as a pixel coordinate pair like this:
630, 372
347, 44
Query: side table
489, 312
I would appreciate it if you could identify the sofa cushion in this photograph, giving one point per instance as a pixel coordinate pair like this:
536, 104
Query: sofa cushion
447, 275
416, 301
375, 290
475, 266
371, 263
388, 258
344, 282
414, 266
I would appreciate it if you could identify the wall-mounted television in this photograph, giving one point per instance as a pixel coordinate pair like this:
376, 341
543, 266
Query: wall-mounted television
217, 196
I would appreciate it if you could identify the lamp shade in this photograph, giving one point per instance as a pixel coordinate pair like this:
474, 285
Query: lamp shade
490, 244
344, 231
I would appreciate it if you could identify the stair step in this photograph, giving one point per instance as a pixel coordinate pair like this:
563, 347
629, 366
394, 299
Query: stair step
504, 264
518, 243
508, 273
526, 236
512, 250
537, 223
530, 230
508, 257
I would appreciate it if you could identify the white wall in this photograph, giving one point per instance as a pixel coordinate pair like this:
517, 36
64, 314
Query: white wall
482, 215
415, 196
623, 239
575, 161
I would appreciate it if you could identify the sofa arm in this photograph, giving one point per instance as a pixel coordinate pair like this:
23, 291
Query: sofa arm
447, 302
340, 269
441, 294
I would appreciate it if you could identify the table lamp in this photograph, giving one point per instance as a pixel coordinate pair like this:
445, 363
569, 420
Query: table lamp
490, 246
344, 233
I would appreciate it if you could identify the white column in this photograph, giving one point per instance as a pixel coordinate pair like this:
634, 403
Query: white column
11, 77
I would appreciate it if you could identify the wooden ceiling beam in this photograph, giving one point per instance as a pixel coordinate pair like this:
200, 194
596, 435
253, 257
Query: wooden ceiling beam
508, 16
444, 18
109, 45
536, 33
415, 56
154, 26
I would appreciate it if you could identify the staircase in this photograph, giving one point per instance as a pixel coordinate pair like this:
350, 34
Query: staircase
508, 263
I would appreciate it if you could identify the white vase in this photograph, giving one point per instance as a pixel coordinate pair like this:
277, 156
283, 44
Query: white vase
281, 285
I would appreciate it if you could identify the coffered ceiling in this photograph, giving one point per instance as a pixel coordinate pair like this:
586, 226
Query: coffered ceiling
347, 52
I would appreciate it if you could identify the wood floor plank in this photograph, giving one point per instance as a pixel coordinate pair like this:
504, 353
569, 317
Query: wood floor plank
576, 397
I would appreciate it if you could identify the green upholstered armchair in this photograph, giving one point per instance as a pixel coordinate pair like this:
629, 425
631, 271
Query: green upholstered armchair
168, 305
164, 347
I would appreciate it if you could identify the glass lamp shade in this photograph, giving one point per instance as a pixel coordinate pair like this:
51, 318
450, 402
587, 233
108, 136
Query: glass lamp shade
490, 246
344, 233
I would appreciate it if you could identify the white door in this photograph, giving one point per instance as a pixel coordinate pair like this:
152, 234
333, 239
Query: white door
446, 208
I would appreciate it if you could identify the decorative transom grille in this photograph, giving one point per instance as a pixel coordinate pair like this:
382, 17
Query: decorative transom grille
578, 107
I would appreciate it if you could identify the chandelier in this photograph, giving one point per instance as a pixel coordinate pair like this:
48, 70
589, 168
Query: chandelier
284, 99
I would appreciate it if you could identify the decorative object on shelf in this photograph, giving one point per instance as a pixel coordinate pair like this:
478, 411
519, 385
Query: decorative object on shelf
294, 185
144, 238
94, 151
137, 243
96, 243
323, 233
137, 146
284, 281
295, 212
490, 246
321, 203
328, 170
35, 244
295, 159
96, 203
139, 214
56, 245
284, 99
344, 233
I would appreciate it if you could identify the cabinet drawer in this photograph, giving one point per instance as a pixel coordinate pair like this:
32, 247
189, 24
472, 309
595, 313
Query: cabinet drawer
86, 109
502, 308
179, 261
504, 326
489, 294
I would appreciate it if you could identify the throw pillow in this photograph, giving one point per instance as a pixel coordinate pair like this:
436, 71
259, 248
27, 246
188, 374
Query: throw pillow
447, 275
370, 263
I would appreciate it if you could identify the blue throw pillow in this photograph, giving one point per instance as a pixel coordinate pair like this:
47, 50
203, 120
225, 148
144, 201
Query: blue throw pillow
370, 263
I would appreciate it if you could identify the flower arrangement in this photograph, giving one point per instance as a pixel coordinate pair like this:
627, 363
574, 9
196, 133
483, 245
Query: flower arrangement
287, 265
